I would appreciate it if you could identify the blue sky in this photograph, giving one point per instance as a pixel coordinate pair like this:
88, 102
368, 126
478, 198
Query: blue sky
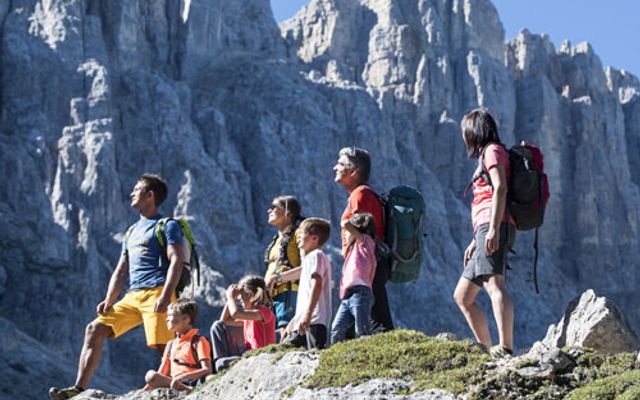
612, 27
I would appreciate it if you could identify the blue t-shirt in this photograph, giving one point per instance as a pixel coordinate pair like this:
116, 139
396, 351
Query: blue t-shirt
148, 263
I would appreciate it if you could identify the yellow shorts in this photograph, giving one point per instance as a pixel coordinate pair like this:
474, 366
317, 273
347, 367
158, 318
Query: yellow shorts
135, 308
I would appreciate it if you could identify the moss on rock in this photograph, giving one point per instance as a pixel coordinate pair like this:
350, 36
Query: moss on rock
401, 354
623, 386
277, 350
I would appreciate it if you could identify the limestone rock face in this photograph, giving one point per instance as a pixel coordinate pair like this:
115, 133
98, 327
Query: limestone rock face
23, 358
234, 110
593, 322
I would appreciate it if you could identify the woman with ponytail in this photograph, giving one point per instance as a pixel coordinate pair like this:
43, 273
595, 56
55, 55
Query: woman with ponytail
255, 317
283, 255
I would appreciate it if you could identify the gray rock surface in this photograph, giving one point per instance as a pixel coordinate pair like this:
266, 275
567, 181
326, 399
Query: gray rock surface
593, 322
23, 358
277, 376
233, 110
548, 361
375, 389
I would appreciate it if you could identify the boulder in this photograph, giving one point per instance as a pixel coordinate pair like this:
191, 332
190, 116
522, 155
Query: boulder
594, 322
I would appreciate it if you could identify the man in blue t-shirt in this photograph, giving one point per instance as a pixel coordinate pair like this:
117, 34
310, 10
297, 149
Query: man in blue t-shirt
153, 274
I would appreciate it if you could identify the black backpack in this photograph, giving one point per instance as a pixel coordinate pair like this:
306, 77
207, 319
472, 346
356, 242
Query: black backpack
528, 186
528, 191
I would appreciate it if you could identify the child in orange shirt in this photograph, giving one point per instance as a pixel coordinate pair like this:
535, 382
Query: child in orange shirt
187, 358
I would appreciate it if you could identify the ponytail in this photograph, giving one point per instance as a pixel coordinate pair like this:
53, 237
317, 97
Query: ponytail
257, 287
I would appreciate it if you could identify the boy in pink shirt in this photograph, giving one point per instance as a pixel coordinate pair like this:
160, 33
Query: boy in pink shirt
358, 271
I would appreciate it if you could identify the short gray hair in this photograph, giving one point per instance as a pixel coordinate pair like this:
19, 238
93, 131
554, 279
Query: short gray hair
359, 160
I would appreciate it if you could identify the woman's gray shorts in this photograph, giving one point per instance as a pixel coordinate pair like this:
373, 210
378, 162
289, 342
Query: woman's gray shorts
480, 266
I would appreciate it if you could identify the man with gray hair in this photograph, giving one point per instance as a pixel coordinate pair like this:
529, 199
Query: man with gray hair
352, 172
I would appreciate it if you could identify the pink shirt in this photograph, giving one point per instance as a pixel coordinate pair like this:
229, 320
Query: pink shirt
494, 155
258, 334
359, 265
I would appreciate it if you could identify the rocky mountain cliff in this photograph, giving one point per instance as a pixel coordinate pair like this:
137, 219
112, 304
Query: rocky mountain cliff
233, 110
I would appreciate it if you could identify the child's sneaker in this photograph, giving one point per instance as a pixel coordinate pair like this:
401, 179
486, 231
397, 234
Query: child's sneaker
498, 352
66, 393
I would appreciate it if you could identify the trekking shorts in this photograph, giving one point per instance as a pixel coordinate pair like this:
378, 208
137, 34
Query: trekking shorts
481, 266
284, 307
136, 308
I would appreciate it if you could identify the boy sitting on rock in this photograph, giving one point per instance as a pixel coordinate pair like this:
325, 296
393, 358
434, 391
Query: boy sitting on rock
187, 358
309, 326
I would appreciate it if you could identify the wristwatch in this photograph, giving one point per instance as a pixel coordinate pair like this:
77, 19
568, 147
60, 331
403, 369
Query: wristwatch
278, 278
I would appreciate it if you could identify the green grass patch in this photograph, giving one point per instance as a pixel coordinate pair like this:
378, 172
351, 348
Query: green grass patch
623, 386
401, 354
593, 365
277, 350
288, 392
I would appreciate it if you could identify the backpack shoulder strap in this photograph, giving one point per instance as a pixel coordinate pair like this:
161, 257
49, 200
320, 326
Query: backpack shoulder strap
161, 231
283, 251
481, 171
369, 188
194, 349
170, 349
268, 251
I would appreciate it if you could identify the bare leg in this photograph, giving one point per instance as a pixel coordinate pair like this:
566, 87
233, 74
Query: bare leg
156, 380
502, 309
94, 337
465, 296
282, 331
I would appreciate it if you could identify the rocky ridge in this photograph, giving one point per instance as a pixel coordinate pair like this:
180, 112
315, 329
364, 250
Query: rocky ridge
234, 110
407, 365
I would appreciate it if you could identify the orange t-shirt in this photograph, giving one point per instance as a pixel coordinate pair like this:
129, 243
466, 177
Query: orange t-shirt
180, 349
363, 199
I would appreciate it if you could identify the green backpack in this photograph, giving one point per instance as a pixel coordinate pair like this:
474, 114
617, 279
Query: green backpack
191, 262
404, 212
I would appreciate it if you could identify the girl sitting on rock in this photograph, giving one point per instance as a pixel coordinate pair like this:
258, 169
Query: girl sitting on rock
255, 317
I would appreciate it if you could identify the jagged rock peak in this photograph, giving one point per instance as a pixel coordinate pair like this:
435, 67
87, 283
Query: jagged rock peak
374, 31
593, 322
622, 82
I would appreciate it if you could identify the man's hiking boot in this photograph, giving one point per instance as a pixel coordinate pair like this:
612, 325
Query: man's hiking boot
66, 393
498, 352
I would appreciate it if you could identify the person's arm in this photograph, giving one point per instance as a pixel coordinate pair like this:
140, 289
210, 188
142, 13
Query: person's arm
288, 276
226, 317
498, 204
233, 291
165, 365
174, 254
468, 253
316, 291
205, 369
289, 329
116, 285
353, 231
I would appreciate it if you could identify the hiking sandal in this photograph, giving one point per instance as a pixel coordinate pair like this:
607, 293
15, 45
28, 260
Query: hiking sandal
498, 352
64, 394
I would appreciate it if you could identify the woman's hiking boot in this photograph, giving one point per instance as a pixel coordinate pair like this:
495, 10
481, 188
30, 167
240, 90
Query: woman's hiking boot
499, 352
66, 393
